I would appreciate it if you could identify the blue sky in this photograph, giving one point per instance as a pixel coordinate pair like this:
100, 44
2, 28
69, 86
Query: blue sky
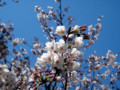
86, 12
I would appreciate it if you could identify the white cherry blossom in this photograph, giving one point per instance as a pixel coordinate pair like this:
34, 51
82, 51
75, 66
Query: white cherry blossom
61, 46
79, 42
76, 28
76, 53
45, 59
50, 46
60, 30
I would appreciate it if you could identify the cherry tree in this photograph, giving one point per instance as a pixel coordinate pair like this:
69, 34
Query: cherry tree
60, 63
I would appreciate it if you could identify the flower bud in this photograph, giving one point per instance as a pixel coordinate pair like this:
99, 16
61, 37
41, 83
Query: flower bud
71, 36
83, 27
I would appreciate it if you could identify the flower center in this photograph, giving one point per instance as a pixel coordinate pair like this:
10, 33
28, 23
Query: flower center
57, 61
61, 48
52, 47
49, 58
62, 31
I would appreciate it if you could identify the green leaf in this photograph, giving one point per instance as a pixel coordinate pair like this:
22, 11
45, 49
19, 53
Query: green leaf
46, 78
40, 79
75, 31
70, 45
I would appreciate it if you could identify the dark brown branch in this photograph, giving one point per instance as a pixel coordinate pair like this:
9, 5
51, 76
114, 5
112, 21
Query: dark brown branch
66, 81
54, 85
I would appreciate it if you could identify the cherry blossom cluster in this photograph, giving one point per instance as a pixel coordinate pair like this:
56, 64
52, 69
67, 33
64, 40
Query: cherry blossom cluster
99, 69
61, 54
94, 32
37, 48
5, 35
7, 78
56, 16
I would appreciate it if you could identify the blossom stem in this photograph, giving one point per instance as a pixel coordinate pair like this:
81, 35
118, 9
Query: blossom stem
61, 12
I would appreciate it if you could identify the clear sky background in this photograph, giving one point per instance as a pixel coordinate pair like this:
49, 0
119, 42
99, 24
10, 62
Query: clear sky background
86, 12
